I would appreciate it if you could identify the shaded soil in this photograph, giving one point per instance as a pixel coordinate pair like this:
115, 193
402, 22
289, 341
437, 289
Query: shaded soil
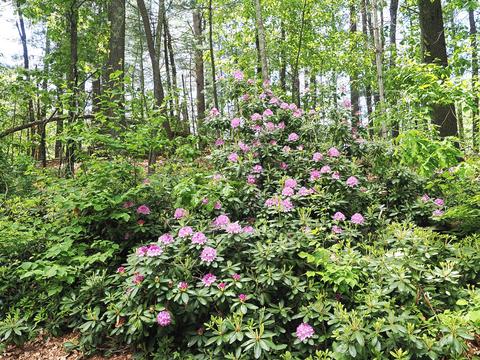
51, 348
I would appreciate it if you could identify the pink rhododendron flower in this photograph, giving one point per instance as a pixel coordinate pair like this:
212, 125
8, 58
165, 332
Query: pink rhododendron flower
325, 169
166, 239
236, 277
272, 202
287, 205
248, 229
293, 137
235, 122
205, 201
242, 297
185, 232
219, 142
217, 205
283, 165
141, 251
128, 204
218, 177
199, 238
281, 125
146, 181
222, 286
439, 202
284, 106
154, 250
292, 106
303, 191
257, 169
233, 157
140, 222
352, 181
267, 113
233, 228
208, 279
300, 147
347, 104
238, 75
208, 254
245, 97
288, 191
121, 270
304, 332
425, 198
214, 112
251, 179
337, 229
143, 209
357, 219
183, 286
339, 216
180, 213
138, 278
438, 212
221, 220
333, 152
297, 113
286, 149
273, 142
273, 101
262, 96
335, 175
256, 128
256, 117
244, 147
270, 126
290, 183
164, 318
314, 175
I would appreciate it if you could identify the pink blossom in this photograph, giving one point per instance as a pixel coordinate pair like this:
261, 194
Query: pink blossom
273, 101
164, 318
314, 175
242, 297
208, 279
439, 202
143, 209
251, 179
244, 147
304, 332
138, 278
121, 270
325, 169
235, 122
270, 126
222, 286
205, 201
288, 191
166, 239
286, 149
142, 251
208, 254
154, 250
180, 213
339, 216
199, 238
352, 181
347, 104
357, 219
291, 183
272, 202
238, 75
221, 220
233, 157
284, 106
257, 169
300, 147
438, 212
297, 113
245, 97
236, 277
183, 286
287, 205
256, 128
335, 175
425, 198
337, 229
273, 142
256, 117
292, 106
217, 205
128, 204
219, 142
218, 177
248, 229
214, 112
262, 96
303, 191
283, 165
185, 232
293, 137
233, 228
267, 113
281, 125
333, 152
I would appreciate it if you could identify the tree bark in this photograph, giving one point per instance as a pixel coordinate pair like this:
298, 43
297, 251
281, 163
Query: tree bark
295, 74
434, 50
475, 77
262, 43
199, 68
368, 87
283, 60
212, 57
42, 148
393, 31
173, 68
379, 60
354, 93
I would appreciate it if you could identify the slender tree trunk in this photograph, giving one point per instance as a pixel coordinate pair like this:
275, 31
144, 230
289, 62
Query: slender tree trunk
42, 149
354, 93
393, 31
475, 77
212, 58
283, 60
461, 128
262, 44
379, 60
116, 57
72, 82
313, 89
199, 68
173, 68
368, 87
434, 50
296, 78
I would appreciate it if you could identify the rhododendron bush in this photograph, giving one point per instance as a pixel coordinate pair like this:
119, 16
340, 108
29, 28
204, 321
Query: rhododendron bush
302, 257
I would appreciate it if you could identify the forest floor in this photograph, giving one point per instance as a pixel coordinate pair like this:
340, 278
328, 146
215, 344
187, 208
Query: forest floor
51, 348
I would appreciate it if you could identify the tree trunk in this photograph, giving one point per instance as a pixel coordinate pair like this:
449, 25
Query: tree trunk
199, 71
434, 50
262, 44
212, 58
72, 82
283, 60
354, 93
393, 31
295, 75
379, 60
475, 77
368, 87
173, 68
42, 148
116, 57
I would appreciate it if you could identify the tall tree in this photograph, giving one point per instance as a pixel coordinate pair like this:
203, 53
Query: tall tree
377, 37
475, 76
212, 57
199, 68
393, 30
354, 93
262, 43
434, 50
